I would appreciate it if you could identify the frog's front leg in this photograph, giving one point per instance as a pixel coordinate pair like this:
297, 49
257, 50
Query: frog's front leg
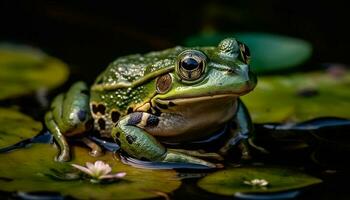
69, 114
240, 131
130, 133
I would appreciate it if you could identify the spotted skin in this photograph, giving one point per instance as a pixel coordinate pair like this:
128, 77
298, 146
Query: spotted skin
131, 134
135, 118
117, 134
101, 124
100, 108
140, 98
115, 115
131, 139
152, 121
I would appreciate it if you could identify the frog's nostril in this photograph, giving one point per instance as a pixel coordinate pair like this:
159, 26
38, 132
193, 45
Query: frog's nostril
229, 47
231, 71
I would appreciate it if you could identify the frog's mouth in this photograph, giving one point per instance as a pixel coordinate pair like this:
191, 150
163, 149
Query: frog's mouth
187, 100
207, 96
173, 101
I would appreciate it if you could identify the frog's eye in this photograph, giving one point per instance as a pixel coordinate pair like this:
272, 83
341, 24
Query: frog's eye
245, 53
191, 65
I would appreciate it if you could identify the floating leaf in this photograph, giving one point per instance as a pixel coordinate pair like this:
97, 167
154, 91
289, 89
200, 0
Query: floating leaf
25, 70
231, 181
299, 97
34, 170
275, 52
270, 52
15, 127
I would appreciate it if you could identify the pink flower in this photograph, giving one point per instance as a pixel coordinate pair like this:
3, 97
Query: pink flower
257, 183
99, 170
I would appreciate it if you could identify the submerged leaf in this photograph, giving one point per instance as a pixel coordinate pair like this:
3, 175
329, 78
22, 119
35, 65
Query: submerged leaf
270, 52
25, 70
31, 170
299, 97
231, 181
15, 127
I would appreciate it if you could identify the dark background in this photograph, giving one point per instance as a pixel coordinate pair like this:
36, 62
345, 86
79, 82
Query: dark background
90, 34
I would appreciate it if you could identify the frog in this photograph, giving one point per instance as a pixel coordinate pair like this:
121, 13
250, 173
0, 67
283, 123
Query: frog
143, 101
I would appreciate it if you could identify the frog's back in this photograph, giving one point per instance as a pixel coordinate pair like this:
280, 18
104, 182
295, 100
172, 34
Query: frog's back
109, 105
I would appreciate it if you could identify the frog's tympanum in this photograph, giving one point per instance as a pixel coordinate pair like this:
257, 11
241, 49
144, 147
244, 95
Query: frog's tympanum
175, 95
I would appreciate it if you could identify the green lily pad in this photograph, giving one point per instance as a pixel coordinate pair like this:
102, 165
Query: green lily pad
25, 70
31, 170
270, 52
299, 97
231, 181
15, 127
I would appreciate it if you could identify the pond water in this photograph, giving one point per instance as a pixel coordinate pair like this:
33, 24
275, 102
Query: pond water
306, 148
295, 153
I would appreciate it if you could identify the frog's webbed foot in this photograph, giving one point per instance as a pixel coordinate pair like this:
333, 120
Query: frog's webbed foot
238, 141
96, 150
69, 114
240, 133
200, 154
176, 156
245, 150
133, 139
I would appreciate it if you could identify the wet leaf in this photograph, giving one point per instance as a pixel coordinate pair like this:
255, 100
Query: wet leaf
231, 181
35, 171
25, 70
15, 127
299, 97
270, 52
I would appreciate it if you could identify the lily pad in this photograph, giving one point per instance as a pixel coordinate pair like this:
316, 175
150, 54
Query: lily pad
231, 181
270, 52
16, 126
25, 70
299, 97
33, 170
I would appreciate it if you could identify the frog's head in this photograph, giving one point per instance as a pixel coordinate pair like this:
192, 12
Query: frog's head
204, 87
210, 71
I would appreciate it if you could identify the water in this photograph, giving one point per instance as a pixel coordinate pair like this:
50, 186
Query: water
190, 173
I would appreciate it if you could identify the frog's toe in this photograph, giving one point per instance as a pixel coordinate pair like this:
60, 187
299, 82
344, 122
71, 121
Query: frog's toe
219, 165
175, 156
96, 153
246, 156
217, 157
211, 155
63, 157
246, 153
200, 154
96, 150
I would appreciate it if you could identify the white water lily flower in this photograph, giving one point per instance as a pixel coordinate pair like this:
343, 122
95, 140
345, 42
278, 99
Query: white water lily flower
99, 170
257, 182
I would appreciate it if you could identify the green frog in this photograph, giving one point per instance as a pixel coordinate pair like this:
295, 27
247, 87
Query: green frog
175, 95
